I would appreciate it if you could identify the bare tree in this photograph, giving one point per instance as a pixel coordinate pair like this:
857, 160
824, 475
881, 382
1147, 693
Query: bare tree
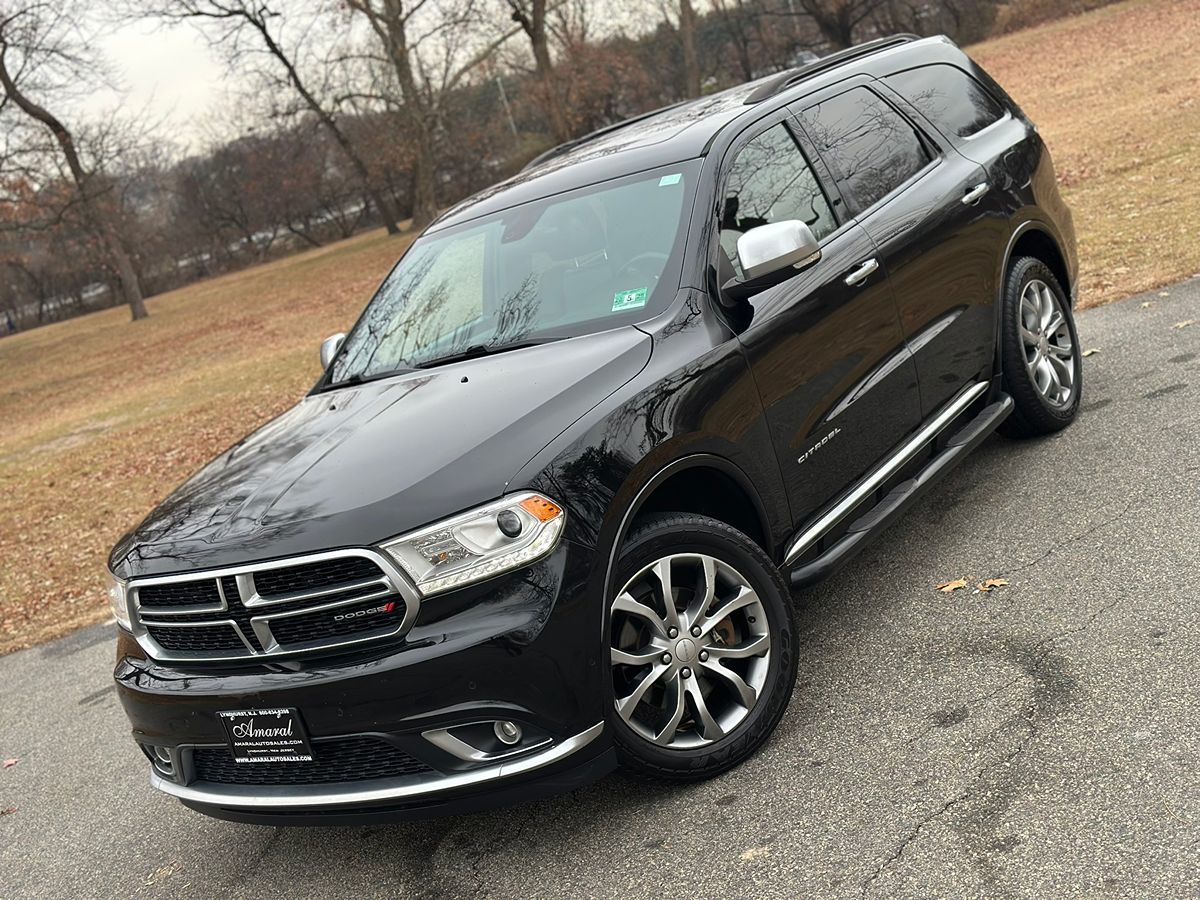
531, 16
687, 37
257, 17
839, 20
36, 49
431, 48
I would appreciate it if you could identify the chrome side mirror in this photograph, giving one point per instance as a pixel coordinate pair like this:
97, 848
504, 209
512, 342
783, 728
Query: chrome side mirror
770, 249
330, 347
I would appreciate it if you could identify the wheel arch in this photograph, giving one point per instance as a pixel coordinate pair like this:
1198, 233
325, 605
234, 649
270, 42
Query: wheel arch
1034, 239
730, 497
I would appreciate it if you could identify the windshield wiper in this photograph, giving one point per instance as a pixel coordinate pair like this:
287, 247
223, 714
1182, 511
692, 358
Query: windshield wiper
360, 378
477, 350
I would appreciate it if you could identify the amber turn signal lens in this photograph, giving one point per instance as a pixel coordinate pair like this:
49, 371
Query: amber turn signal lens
541, 508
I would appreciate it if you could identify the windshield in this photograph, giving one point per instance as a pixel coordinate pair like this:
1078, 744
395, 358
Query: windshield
586, 260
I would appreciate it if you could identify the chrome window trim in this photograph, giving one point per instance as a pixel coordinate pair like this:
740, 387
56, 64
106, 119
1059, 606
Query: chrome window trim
393, 583
310, 796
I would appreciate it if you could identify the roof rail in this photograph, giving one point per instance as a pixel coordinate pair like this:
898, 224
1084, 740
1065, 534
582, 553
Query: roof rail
786, 79
562, 148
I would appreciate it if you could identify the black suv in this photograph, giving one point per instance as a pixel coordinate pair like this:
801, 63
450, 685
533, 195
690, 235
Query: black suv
543, 513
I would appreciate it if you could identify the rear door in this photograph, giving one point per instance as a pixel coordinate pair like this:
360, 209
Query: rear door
921, 203
825, 347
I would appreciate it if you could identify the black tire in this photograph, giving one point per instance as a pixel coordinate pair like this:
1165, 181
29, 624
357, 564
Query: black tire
1034, 414
665, 535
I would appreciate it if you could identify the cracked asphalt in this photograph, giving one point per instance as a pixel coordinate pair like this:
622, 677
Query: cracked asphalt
1041, 740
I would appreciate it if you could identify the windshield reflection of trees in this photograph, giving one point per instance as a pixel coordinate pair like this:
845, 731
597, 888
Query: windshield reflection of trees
413, 319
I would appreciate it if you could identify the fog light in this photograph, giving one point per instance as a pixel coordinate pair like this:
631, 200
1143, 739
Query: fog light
507, 733
160, 758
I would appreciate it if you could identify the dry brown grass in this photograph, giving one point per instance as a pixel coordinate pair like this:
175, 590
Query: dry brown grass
1116, 93
101, 418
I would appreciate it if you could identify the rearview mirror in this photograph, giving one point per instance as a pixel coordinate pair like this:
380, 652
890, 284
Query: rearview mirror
770, 254
780, 245
330, 347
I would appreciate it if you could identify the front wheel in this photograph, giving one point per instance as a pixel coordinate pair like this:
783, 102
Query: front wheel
702, 648
1043, 369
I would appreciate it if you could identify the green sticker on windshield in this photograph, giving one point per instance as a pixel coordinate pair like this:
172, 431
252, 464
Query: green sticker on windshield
623, 300
670, 179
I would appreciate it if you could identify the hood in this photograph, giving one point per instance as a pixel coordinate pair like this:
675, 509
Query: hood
356, 465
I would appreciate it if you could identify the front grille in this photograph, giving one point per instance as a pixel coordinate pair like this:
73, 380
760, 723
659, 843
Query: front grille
317, 625
190, 618
197, 638
334, 760
315, 576
180, 593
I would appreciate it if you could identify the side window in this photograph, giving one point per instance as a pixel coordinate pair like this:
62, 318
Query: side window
771, 181
949, 97
871, 148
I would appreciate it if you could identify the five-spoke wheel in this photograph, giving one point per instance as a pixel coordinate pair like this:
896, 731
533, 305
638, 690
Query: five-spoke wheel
1046, 337
691, 646
1041, 365
701, 647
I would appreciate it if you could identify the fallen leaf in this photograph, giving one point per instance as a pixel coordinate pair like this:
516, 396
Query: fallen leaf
9, 763
1147, 304
1184, 324
1164, 293
1091, 351
986, 586
947, 587
8, 812
755, 853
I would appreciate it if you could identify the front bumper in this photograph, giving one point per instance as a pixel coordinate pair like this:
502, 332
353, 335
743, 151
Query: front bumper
524, 647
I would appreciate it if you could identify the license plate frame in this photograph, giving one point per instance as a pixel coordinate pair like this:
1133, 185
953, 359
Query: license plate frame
260, 736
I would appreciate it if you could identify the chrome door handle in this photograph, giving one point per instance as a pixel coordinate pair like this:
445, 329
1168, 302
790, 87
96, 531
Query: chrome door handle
973, 195
860, 274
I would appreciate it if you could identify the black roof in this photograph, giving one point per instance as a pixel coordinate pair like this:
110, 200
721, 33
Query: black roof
666, 136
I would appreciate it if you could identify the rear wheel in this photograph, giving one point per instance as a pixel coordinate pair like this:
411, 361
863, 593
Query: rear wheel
1043, 370
702, 648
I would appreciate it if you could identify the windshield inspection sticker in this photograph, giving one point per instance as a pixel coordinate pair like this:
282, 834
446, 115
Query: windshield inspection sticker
669, 179
623, 300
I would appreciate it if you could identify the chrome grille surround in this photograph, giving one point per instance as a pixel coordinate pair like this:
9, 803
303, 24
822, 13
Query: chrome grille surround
391, 583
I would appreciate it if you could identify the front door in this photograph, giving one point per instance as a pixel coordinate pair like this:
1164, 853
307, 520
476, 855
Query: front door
825, 347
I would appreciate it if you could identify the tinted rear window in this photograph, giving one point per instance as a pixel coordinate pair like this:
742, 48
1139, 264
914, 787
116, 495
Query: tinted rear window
949, 97
870, 147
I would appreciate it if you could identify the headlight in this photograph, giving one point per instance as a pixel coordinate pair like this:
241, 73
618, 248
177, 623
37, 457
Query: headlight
117, 600
499, 537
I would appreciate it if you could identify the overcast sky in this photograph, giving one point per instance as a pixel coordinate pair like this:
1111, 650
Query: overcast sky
173, 75
169, 72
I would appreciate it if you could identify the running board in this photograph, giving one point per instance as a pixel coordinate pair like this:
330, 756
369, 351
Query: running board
868, 526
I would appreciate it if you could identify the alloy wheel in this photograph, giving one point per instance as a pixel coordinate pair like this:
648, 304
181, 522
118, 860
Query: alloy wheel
1046, 341
690, 650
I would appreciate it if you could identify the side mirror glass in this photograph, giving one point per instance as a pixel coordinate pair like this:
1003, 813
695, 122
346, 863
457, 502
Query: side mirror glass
330, 347
772, 253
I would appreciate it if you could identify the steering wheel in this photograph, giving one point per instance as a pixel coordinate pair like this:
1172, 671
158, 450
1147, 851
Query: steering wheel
634, 265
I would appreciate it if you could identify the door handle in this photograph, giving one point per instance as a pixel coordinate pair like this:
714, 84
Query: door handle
974, 194
860, 274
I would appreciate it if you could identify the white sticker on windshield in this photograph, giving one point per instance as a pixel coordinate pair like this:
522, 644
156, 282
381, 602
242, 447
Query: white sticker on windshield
670, 179
623, 300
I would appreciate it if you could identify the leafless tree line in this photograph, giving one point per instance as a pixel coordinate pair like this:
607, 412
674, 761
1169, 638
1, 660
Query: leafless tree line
351, 113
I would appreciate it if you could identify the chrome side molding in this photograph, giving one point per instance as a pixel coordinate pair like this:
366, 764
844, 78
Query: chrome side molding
889, 467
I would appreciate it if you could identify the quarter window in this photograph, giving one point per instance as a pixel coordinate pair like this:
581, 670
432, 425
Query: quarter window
771, 181
871, 148
949, 97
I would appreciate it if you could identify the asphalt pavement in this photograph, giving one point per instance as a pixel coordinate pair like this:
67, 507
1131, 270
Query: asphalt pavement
1040, 740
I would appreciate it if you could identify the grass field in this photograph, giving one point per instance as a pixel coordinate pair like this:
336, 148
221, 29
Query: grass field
101, 417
